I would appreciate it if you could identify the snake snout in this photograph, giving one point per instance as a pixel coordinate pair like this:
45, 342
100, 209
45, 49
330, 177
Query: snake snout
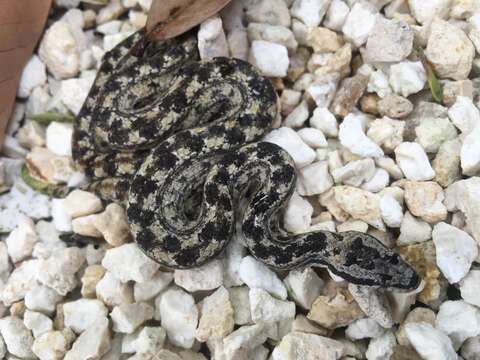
374, 264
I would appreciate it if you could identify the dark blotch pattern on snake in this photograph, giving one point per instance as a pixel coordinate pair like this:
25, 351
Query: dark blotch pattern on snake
177, 140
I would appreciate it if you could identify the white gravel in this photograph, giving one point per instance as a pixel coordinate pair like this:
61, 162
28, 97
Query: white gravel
374, 152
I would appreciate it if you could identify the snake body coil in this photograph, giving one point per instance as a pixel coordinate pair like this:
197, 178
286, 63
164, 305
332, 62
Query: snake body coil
178, 141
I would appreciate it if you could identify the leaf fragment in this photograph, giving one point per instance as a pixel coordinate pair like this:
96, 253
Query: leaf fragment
50, 116
433, 83
169, 18
58, 191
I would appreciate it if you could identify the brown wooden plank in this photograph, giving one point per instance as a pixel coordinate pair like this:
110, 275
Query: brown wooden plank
21, 24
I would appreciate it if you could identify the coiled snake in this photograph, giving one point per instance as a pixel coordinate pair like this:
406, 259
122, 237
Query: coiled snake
178, 141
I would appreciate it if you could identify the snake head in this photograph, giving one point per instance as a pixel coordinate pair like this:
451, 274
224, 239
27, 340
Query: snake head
366, 261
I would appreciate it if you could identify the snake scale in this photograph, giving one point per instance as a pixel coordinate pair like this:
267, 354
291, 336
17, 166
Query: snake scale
178, 141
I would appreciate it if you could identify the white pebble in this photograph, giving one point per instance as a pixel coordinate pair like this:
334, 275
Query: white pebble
387, 133
84, 225
37, 322
137, 18
21, 280
149, 289
92, 343
128, 262
59, 270
310, 12
179, 316
79, 315
266, 309
216, 319
390, 166
110, 27
274, 12
470, 287
464, 114
360, 204
322, 89
353, 225
272, 59
378, 182
211, 39
126, 318
355, 172
205, 277
313, 137
145, 4
336, 15
291, 142
39, 101
148, 341
359, 23
328, 225
455, 250
34, 75
381, 347
308, 346
257, 275
69, 4
234, 253
51, 346
413, 230
5, 265
61, 219
407, 77
81, 203
59, 50
322, 154
390, 41
298, 116
352, 136
462, 195
42, 299
363, 329
110, 41
314, 179
449, 50
469, 159
73, 92
425, 200
425, 11
433, 132
378, 83
373, 302
298, 214
239, 298
459, 320
413, 161
113, 225
325, 121
22, 239
112, 291
391, 211
430, 343
242, 339
471, 347
304, 286
289, 100
273, 33
17, 337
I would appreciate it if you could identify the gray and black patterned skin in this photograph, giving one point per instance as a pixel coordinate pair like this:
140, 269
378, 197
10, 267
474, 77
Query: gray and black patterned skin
178, 141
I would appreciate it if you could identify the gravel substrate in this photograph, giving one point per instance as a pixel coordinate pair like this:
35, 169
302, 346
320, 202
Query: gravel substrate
376, 150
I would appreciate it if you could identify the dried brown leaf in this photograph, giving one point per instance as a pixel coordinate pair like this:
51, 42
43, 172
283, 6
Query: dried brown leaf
21, 23
169, 18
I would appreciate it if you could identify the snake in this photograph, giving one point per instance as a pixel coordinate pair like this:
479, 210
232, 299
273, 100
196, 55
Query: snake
178, 141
